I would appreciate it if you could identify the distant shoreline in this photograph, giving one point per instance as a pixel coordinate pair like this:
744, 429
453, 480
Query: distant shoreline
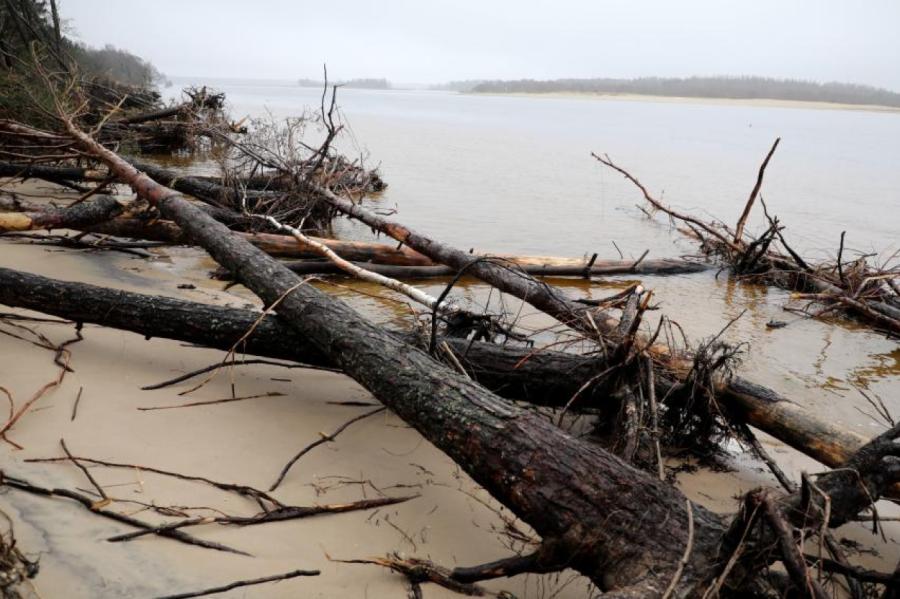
763, 102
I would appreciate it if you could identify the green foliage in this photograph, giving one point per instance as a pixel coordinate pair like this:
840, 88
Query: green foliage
31, 42
116, 65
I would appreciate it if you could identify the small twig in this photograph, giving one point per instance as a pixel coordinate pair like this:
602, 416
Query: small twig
212, 401
687, 552
75, 405
840, 259
739, 229
633, 267
205, 369
323, 439
242, 583
87, 474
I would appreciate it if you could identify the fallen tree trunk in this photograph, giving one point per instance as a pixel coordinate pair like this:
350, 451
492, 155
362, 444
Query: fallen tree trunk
399, 262
272, 244
613, 523
154, 115
542, 377
50, 173
77, 216
203, 189
548, 269
403, 261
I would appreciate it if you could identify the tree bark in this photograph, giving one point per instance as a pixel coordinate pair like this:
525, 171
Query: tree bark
77, 216
50, 173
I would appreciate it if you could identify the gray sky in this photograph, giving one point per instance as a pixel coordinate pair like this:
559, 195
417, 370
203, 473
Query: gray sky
430, 41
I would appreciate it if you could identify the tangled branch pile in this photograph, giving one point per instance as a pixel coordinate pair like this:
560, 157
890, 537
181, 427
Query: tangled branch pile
858, 286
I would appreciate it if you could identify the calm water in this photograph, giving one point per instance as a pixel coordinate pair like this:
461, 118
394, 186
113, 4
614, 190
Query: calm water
514, 174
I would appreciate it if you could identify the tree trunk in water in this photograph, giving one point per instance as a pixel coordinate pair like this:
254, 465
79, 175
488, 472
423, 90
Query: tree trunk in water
550, 267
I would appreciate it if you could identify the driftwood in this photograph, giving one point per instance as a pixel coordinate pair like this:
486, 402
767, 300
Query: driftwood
865, 291
77, 216
743, 397
550, 267
384, 259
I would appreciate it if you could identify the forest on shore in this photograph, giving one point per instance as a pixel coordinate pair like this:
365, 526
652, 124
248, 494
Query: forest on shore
738, 88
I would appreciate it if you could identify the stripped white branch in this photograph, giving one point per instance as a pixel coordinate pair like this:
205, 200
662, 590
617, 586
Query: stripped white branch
409, 291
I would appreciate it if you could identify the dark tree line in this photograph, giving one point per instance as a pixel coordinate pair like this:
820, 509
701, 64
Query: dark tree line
698, 87
29, 26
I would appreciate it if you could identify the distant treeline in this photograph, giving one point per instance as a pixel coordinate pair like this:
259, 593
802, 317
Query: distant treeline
117, 64
696, 87
466, 85
352, 83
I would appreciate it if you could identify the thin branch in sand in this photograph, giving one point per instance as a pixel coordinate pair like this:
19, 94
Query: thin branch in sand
93, 506
242, 490
205, 369
288, 512
242, 583
323, 439
87, 474
61, 359
75, 405
210, 402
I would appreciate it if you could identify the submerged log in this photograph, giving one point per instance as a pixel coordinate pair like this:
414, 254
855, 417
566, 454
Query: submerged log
398, 262
533, 265
272, 244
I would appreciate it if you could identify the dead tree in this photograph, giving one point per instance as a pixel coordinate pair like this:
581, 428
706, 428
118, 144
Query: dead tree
868, 292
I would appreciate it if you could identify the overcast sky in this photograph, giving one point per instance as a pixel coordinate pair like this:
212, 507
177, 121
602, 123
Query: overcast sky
430, 41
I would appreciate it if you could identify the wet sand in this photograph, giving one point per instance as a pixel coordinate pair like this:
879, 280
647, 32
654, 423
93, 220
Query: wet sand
452, 521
